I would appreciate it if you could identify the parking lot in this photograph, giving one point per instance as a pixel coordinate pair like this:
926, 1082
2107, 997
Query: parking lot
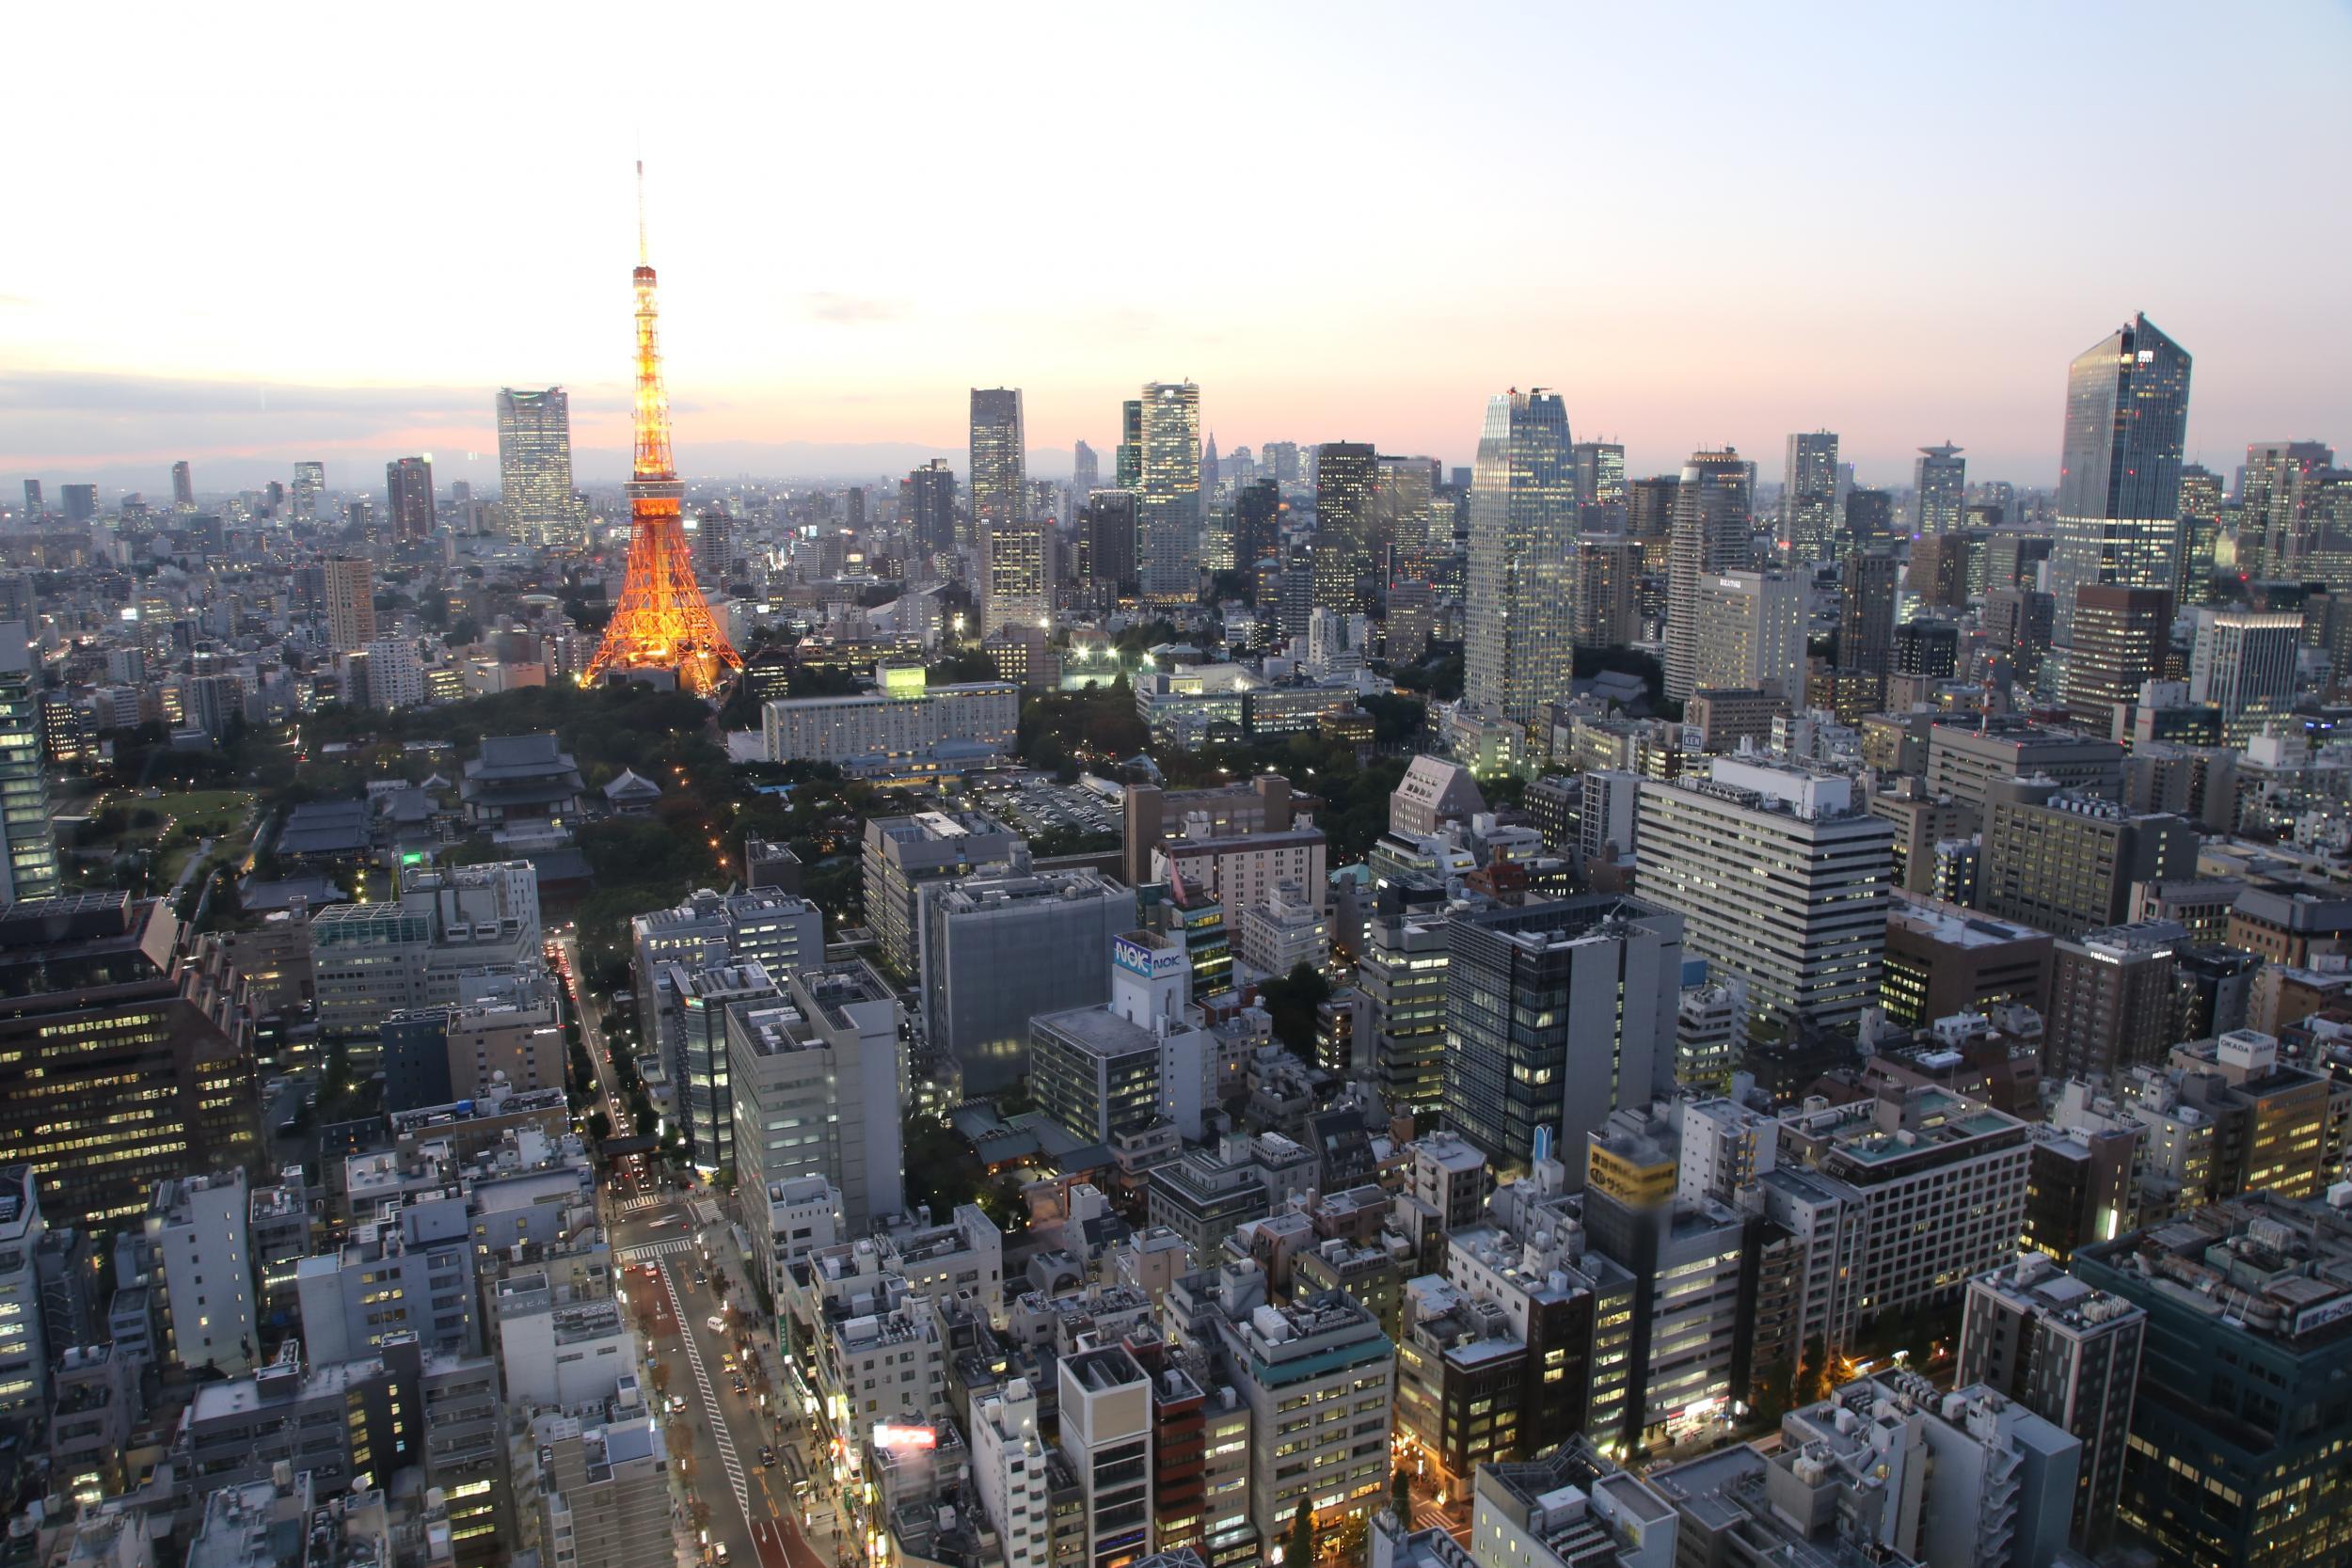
1036, 804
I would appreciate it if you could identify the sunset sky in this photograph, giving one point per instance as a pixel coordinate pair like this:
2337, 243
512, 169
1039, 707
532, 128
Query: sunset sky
251, 236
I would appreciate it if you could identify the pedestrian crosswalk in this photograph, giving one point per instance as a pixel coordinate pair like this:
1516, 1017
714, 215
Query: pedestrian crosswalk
654, 1250
641, 1202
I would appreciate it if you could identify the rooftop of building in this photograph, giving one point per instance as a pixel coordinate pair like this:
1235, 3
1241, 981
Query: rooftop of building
2273, 1268
1954, 926
1098, 1031
2036, 1283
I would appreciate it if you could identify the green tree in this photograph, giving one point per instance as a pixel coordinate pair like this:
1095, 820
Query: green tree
1401, 1496
1812, 1379
1299, 1549
1291, 1002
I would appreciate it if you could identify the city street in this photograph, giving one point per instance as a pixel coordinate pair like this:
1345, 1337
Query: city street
751, 1507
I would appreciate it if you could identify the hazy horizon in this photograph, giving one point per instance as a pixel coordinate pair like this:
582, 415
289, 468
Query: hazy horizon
316, 239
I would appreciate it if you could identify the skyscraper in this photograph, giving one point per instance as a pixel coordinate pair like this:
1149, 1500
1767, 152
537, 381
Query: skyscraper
33, 506
1257, 523
1808, 499
2121, 635
1107, 539
1017, 573
1086, 475
2201, 526
2243, 662
1403, 518
350, 587
535, 466
1127, 457
927, 504
1345, 557
81, 502
183, 487
1600, 473
1869, 516
2270, 498
1866, 611
1710, 535
1517, 653
1939, 490
2119, 496
409, 501
31, 866
1167, 521
999, 467
309, 483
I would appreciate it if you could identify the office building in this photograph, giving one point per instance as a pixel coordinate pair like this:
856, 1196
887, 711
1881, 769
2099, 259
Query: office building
604, 1491
1107, 540
408, 500
1245, 871
1939, 490
1013, 1470
1106, 1430
2118, 497
2065, 862
1604, 580
1965, 757
80, 501
2243, 662
309, 483
2111, 999
1807, 936
927, 505
697, 1054
1710, 537
1809, 499
901, 854
2233, 1455
183, 487
1348, 561
2121, 637
34, 508
1867, 597
818, 1084
1168, 509
1751, 634
25, 1358
124, 1075
907, 732
30, 870
981, 980
194, 1249
1556, 1014
1517, 650
2071, 1354
1943, 960
1017, 574
1600, 473
999, 461
535, 466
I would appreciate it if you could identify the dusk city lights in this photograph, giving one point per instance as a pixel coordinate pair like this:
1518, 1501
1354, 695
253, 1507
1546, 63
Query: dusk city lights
1290, 786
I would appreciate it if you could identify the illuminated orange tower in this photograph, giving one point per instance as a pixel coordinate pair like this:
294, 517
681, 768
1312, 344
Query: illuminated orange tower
663, 622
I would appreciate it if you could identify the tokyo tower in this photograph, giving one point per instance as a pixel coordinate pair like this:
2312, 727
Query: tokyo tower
663, 622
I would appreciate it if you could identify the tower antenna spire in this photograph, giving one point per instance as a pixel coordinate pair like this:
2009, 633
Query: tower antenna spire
643, 254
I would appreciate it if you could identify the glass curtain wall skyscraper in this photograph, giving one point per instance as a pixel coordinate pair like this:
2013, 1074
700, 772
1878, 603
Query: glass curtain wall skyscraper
1710, 535
2119, 496
1808, 499
1939, 490
408, 496
1346, 553
1518, 655
1167, 521
535, 466
31, 864
999, 466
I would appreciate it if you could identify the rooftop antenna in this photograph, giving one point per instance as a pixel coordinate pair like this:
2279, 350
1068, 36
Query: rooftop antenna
642, 253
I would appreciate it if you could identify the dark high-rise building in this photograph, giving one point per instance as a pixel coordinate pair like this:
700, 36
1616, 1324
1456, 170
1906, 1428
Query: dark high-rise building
1930, 649
927, 505
121, 1076
1086, 474
2018, 619
81, 502
1870, 517
1711, 520
2112, 999
1107, 539
1649, 517
1600, 473
1558, 1014
183, 486
1808, 499
1346, 554
2064, 862
999, 464
1257, 523
1127, 458
1866, 611
409, 501
2201, 526
2121, 636
2119, 496
33, 505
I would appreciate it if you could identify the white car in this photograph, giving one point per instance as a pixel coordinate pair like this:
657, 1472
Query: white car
716, 1324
